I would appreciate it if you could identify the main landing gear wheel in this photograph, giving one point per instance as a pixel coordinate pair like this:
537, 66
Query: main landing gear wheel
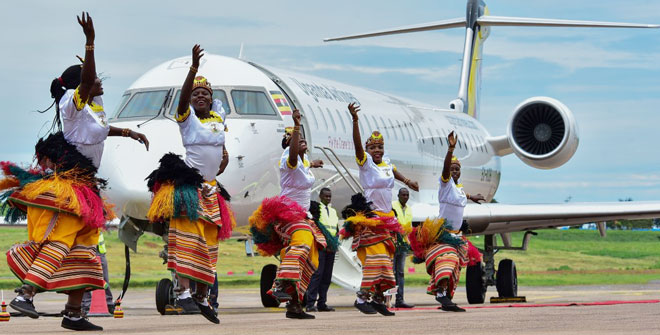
474, 284
164, 295
507, 279
268, 273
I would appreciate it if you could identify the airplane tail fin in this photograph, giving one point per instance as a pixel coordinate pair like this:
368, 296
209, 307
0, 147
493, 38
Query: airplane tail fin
477, 25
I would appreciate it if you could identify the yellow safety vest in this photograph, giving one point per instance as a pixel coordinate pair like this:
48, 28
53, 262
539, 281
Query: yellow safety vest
404, 215
101, 244
329, 218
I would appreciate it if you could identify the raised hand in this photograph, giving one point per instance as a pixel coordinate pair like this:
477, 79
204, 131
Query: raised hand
296, 117
354, 109
452, 139
86, 23
197, 54
317, 163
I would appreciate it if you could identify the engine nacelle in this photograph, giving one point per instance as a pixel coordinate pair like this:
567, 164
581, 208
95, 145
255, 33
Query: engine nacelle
543, 133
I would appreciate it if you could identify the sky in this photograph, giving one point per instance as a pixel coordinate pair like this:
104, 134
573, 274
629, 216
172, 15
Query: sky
609, 78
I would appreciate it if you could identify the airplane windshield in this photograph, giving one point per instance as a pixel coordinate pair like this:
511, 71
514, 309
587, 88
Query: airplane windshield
144, 104
217, 94
120, 105
252, 103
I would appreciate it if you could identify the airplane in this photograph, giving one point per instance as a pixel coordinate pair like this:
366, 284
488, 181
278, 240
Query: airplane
259, 100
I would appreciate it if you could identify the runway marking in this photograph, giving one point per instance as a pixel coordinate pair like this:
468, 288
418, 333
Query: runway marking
565, 304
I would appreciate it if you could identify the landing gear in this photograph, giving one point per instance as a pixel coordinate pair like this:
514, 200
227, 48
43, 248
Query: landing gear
507, 279
268, 273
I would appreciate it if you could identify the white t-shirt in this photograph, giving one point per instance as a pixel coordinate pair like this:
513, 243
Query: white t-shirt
452, 201
203, 140
297, 181
84, 124
378, 182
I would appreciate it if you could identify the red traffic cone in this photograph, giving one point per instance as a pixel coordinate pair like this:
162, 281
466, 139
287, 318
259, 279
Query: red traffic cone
98, 306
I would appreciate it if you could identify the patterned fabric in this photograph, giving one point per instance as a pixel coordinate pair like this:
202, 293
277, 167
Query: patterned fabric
192, 249
377, 273
299, 262
444, 261
60, 255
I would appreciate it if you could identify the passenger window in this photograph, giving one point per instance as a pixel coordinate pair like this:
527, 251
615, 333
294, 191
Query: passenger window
123, 100
325, 122
341, 120
144, 104
252, 103
217, 94
431, 135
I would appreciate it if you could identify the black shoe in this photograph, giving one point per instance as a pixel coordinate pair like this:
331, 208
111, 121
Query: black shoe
208, 312
325, 308
365, 307
111, 308
24, 306
311, 309
81, 324
403, 305
188, 305
280, 295
448, 305
382, 309
299, 315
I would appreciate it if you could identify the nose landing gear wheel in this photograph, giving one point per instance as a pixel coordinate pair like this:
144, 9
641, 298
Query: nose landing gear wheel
507, 279
164, 295
268, 273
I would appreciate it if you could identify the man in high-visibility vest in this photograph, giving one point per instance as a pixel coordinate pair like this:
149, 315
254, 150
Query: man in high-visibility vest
87, 297
404, 215
320, 281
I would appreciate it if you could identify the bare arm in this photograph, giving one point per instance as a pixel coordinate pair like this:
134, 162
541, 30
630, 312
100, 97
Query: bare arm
88, 75
225, 161
410, 183
294, 143
115, 131
451, 139
357, 141
186, 89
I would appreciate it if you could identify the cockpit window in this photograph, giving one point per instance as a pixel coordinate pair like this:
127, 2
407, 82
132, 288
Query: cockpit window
144, 104
252, 103
121, 103
217, 94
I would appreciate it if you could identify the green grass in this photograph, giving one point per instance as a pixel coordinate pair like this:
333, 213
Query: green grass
554, 257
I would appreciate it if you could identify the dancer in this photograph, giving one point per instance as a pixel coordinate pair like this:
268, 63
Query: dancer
186, 194
61, 198
439, 241
371, 221
283, 225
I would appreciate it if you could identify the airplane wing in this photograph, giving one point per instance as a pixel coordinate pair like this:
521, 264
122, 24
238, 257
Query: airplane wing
502, 218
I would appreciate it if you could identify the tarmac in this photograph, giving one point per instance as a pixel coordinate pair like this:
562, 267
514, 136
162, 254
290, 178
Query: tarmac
549, 310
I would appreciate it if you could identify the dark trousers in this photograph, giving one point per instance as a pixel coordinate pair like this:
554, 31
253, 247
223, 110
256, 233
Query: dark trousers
399, 270
321, 279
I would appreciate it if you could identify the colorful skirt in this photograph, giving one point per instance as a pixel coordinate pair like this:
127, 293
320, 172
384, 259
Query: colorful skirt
64, 212
198, 213
444, 261
60, 255
281, 226
374, 237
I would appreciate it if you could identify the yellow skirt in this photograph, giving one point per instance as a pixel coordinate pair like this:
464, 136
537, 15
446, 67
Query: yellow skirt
192, 249
377, 273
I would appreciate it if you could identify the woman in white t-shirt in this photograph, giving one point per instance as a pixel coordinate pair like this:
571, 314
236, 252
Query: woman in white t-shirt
61, 198
370, 220
283, 225
439, 242
187, 195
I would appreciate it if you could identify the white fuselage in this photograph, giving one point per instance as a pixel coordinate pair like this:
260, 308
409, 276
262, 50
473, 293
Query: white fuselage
415, 135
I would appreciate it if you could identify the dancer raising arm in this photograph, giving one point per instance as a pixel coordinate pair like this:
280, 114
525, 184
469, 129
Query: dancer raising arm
371, 221
61, 199
187, 195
